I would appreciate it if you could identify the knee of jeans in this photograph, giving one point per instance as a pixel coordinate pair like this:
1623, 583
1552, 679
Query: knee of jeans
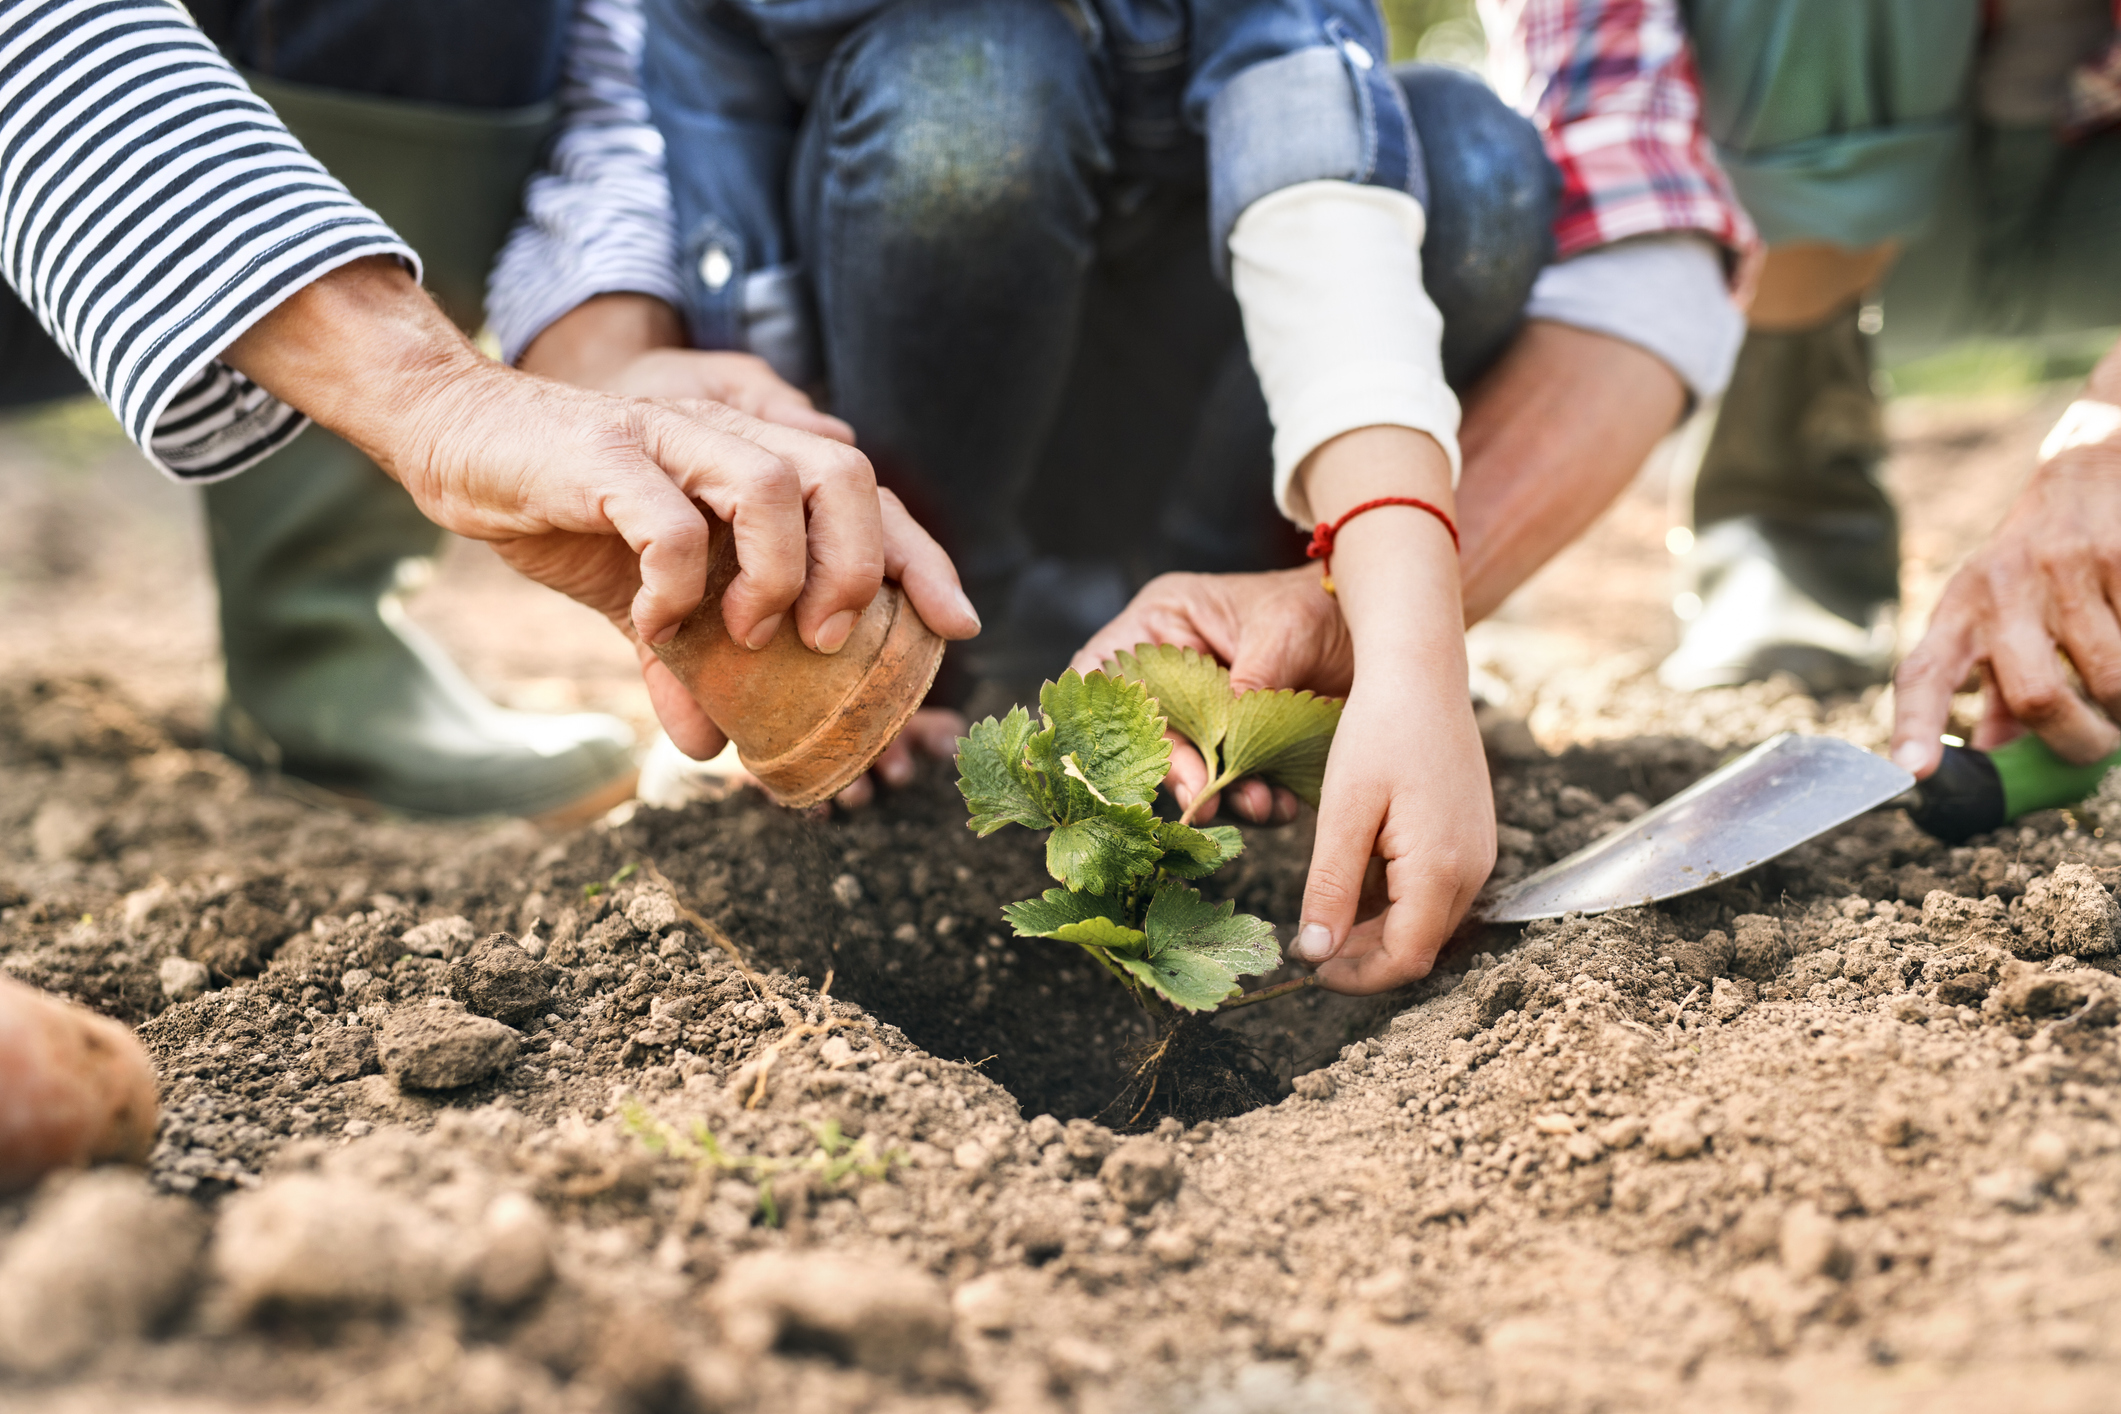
968, 109
1493, 193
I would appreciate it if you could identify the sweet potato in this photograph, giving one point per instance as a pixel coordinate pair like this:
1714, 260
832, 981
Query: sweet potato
75, 1088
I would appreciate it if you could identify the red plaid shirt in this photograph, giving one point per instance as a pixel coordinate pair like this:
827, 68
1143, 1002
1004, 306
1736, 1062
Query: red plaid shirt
1611, 86
2095, 89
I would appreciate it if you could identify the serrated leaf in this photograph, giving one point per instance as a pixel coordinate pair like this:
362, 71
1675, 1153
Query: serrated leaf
1101, 853
1283, 736
1180, 920
1114, 938
1191, 689
1057, 908
1108, 725
998, 788
1191, 853
1191, 980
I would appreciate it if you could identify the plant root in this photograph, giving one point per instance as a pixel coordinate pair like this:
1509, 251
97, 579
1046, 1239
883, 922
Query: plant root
1192, 1070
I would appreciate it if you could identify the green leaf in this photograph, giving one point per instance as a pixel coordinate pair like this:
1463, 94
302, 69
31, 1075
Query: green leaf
1190, 980
1283, 736
1191, 853
1055, 909
1191, 689
1103, 852
999, 789
1179, 920
1110, 728
1103, 933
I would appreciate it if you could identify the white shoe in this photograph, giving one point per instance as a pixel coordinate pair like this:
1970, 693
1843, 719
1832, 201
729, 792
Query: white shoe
1751, 622
670, 779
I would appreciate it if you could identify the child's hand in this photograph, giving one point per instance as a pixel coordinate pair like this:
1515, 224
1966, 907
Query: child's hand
1408, 782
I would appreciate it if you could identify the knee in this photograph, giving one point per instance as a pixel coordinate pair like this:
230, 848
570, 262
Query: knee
969, 108
1493, 194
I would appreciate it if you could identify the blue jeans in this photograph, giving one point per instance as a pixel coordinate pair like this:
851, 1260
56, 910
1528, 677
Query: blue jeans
1033, 345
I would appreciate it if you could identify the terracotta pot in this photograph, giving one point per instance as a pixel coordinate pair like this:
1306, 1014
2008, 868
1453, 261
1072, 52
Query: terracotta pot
805, 723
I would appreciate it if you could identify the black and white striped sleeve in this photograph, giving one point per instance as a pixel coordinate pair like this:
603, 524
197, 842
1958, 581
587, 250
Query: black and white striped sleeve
597, 220
151, 210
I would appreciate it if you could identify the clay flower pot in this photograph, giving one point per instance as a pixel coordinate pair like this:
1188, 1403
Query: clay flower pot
805, 723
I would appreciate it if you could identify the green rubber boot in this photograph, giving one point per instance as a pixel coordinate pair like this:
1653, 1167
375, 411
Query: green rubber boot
1795, 565
328, 683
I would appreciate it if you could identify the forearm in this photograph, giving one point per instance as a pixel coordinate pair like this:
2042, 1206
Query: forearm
591, 344
1551, 437
363, 351
1394, 571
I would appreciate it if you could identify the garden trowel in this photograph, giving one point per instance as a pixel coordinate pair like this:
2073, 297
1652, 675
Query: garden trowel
1775, 797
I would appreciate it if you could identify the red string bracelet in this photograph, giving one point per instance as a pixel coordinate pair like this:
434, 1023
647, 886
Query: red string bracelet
1322, 535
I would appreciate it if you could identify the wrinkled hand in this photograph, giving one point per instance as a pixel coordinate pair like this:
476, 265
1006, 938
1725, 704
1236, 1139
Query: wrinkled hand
2036, 599
1275, 630
602, 497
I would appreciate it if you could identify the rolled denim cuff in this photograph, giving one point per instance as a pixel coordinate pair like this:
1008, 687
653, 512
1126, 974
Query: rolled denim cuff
1328, 113
1665, 294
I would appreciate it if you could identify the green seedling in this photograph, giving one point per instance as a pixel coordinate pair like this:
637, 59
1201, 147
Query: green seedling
1090, 776
592, 890
835, 1159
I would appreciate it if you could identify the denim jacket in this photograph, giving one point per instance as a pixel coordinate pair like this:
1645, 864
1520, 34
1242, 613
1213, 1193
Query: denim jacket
1263, 93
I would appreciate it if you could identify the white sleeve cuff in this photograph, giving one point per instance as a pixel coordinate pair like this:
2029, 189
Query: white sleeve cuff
1667, 294
1342, 334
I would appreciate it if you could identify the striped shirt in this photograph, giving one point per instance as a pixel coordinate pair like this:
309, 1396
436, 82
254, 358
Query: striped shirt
598, 218
151, 210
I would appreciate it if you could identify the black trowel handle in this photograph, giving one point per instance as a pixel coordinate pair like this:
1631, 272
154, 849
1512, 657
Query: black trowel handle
1962, 798
1973, 792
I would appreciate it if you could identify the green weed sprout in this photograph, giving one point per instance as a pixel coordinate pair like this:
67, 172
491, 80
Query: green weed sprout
1090, 776
835, 1159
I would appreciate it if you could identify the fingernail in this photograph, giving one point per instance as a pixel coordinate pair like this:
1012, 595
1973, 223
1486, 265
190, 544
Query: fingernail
897, 770
1909, 756
763, 631
665, 636
1314, 942
1183, 795
832, 634
965, 603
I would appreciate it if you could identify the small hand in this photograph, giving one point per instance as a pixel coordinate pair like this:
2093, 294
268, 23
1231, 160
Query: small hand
1275, 630
1428, 814
2037, 599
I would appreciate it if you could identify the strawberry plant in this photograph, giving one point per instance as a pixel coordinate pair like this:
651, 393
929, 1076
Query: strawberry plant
1088, 772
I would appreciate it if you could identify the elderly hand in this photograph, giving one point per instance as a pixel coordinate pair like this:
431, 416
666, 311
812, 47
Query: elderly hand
596, 495
2036, 599
1275, 630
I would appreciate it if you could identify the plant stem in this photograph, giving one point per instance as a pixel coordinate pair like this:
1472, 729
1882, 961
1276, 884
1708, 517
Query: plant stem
1268, 994
1207, 794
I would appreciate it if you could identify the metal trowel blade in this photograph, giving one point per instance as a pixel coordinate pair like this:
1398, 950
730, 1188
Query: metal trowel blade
1770, 800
